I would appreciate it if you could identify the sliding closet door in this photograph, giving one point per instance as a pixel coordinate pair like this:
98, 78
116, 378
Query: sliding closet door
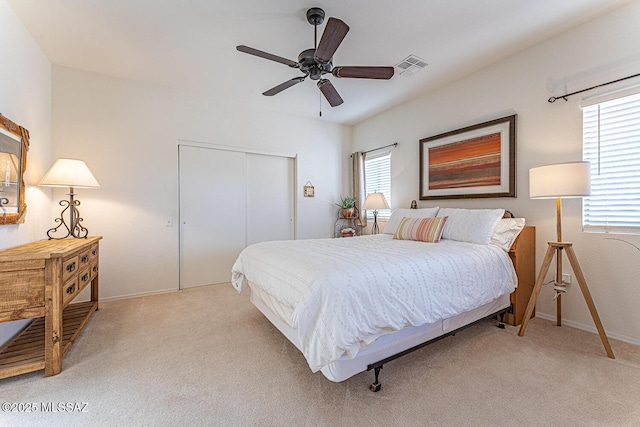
228, 200
212, 214
270, 198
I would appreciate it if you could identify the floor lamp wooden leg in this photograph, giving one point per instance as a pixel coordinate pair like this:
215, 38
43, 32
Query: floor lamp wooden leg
573, 260
558, 306
546, 262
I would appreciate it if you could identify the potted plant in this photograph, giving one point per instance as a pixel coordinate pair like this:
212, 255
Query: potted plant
348, 205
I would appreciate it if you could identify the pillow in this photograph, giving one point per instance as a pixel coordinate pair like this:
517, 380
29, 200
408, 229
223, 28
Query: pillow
506, 232
399, 214
470, 225
421, 229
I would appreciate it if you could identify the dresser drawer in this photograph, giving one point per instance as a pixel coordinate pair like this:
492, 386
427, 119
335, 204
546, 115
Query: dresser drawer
84, 278
84, 258
70, 266
93, 252
69, 290
94, 269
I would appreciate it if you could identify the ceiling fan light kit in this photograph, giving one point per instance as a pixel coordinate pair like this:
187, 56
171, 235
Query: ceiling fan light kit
317, 61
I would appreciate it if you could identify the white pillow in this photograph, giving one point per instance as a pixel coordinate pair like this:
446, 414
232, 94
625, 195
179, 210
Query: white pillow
506, 232
398, 214
470, 225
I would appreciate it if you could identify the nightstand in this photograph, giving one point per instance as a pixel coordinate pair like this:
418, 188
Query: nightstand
523, 257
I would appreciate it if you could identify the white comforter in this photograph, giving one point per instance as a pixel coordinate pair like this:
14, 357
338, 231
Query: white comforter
343, 291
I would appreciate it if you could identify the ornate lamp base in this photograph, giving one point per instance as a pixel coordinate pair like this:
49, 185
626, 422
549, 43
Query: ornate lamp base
74, 228
375, 229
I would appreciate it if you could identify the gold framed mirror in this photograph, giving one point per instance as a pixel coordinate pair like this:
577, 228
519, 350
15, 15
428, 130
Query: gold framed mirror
14, 144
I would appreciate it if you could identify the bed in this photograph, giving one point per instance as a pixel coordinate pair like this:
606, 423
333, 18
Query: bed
354, 304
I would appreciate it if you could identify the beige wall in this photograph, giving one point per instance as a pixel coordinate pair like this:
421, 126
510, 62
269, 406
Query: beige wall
128, 133
596, 52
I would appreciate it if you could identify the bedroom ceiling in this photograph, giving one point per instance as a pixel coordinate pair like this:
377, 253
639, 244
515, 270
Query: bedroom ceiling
190, 45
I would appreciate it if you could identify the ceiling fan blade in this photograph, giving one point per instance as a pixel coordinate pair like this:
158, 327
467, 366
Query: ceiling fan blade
330, 92
269, 56
383, 73
331, 38
282, 86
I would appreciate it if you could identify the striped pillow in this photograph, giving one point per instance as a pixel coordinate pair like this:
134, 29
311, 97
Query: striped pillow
422, 229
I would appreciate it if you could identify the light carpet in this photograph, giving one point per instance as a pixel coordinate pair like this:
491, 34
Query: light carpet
207, 357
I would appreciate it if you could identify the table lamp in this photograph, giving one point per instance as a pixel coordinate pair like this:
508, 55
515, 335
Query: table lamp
375, 201
559, 181
70, 173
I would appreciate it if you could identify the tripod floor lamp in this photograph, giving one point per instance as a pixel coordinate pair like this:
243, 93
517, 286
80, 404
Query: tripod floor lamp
558, 181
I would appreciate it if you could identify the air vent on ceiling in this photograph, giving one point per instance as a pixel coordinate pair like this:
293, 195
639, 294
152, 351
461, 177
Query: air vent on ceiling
410, 65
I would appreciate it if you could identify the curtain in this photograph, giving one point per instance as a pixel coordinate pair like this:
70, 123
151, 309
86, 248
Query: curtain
358, 184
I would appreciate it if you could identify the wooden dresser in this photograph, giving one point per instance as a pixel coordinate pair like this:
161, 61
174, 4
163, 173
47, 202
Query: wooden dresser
38, 281
523, 257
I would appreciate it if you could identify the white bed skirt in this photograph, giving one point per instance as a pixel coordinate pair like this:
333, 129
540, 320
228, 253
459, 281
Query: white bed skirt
386, 345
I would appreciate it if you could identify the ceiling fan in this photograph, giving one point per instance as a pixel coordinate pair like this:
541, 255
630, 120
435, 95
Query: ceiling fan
315, 63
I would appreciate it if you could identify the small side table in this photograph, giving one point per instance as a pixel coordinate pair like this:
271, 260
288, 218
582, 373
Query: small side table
343, 223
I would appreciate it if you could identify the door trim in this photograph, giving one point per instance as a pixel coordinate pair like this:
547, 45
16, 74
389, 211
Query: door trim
235, 148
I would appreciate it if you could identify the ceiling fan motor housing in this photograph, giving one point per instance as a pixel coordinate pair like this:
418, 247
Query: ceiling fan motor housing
310, 66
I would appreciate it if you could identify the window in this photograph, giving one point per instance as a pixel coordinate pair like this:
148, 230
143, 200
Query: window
377, 178
611, 142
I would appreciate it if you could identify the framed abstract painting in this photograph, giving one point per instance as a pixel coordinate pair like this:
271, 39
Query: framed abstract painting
472, 162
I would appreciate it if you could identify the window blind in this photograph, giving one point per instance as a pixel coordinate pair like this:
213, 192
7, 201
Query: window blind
377, 176
611, 143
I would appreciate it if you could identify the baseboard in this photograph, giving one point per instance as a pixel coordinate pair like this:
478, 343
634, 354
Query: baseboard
139, 294
86, 296
589, 328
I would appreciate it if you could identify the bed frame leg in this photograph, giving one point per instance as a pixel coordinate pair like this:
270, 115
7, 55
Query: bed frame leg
500, 319
376, 386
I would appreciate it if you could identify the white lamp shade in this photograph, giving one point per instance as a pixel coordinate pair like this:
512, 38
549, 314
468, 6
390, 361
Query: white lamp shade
69, 173
375, 201
561, 180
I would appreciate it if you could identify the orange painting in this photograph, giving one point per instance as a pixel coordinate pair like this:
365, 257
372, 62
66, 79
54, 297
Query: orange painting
470, 163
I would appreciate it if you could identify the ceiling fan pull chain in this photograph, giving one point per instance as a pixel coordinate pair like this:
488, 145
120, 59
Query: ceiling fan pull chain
320, 99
